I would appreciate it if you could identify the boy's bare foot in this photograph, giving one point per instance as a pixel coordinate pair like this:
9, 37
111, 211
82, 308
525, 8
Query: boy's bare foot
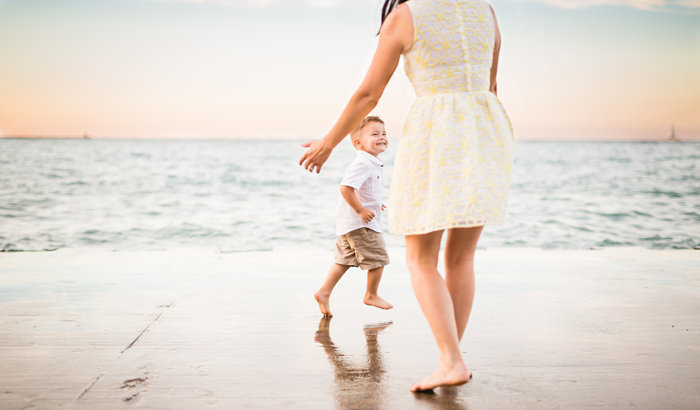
324, 302
444, 376
323, 335
376, 301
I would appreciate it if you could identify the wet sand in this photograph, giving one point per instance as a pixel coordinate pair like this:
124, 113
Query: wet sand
192, 329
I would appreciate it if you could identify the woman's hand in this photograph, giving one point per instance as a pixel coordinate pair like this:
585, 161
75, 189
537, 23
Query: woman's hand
395, 37
315, 156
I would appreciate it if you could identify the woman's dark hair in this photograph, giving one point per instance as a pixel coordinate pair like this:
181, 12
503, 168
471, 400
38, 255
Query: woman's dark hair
389, 6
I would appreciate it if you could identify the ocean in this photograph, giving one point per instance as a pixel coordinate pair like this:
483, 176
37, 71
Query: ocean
251, 195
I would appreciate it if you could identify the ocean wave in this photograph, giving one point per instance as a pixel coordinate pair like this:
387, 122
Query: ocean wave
670, 194
252, 195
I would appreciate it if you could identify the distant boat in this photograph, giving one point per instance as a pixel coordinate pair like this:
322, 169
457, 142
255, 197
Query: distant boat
86, 136
672, 137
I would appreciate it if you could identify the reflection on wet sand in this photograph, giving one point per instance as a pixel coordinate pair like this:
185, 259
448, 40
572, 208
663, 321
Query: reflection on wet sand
357, 386
448, 399
361, 386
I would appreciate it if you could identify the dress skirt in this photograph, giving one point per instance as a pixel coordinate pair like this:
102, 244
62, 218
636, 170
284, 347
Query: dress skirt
453, 165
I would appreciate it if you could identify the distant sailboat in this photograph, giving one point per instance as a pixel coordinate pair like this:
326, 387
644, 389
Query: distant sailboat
672, 137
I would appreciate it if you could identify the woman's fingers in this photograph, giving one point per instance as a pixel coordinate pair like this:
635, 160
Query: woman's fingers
306, 157
314, 157
306, 154
308, 161
311, 167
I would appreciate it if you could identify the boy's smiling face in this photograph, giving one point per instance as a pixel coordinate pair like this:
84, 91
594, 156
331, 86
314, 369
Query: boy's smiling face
372, 139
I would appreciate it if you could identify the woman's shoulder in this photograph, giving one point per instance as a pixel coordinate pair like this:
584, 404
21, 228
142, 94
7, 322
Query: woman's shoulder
399, 26
402, 12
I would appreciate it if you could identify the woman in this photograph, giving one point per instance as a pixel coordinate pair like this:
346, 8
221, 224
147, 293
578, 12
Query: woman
452, 169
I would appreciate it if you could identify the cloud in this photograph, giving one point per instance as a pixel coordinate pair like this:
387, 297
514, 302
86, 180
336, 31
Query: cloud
651, 5
271, 3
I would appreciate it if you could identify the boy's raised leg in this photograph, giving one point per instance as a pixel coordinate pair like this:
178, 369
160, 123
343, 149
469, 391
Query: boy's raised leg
374, 276
323, 295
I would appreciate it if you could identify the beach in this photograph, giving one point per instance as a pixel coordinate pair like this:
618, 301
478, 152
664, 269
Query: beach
165, 224
195, 328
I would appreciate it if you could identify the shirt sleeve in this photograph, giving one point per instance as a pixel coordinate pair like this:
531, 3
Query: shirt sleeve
356, 175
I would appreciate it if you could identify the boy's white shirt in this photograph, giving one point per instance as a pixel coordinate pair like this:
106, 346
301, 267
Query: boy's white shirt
364, 175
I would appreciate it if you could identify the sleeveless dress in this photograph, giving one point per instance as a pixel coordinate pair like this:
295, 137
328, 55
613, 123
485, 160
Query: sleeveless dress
453, 165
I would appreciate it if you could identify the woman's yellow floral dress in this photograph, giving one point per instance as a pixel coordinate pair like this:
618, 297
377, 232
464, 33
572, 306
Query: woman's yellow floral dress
454, 160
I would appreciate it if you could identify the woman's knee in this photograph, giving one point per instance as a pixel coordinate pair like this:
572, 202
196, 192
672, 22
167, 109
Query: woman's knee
417, 265
459, 268
459, 264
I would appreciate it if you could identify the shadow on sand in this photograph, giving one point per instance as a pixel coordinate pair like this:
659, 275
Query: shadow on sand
360, 386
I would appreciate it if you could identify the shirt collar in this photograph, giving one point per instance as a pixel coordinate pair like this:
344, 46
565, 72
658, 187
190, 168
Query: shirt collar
370, 157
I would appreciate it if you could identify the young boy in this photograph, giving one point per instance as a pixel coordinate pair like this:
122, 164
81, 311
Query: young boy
358, 217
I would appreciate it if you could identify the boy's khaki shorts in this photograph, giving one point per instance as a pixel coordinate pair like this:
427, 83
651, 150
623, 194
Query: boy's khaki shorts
362, 247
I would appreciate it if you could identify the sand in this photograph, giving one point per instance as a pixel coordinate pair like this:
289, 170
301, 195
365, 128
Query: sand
194, 329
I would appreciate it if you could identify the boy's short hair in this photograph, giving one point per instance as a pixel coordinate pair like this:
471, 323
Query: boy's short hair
370, 118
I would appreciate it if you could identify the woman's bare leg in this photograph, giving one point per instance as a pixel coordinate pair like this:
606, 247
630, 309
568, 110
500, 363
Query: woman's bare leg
459, 272
422, 253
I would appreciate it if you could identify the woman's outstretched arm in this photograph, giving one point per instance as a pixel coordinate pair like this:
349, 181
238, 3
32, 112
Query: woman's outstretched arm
395, 37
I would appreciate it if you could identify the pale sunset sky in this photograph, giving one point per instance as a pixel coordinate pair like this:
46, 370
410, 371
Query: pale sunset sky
570, 69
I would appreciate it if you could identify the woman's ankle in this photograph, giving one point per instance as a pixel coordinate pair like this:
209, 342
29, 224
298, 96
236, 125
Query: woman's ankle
453, 361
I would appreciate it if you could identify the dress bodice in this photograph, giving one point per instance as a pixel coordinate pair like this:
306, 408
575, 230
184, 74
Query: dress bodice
453, 46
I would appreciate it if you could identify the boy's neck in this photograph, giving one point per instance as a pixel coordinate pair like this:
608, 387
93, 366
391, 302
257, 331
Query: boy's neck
375, 156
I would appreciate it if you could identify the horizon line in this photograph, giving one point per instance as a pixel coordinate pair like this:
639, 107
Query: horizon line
83, 137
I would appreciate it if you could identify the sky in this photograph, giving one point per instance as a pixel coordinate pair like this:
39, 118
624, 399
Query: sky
569, 70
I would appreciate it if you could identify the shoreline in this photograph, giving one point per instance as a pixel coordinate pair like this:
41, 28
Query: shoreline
189, 328
216, 250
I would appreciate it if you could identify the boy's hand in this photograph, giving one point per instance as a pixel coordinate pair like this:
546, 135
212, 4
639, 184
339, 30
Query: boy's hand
383, 207
366, 215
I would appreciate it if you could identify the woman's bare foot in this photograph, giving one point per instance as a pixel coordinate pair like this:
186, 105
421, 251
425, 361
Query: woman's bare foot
444, 376
324, 302
376, 301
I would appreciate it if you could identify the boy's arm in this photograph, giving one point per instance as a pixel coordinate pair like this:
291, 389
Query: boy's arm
348, 194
